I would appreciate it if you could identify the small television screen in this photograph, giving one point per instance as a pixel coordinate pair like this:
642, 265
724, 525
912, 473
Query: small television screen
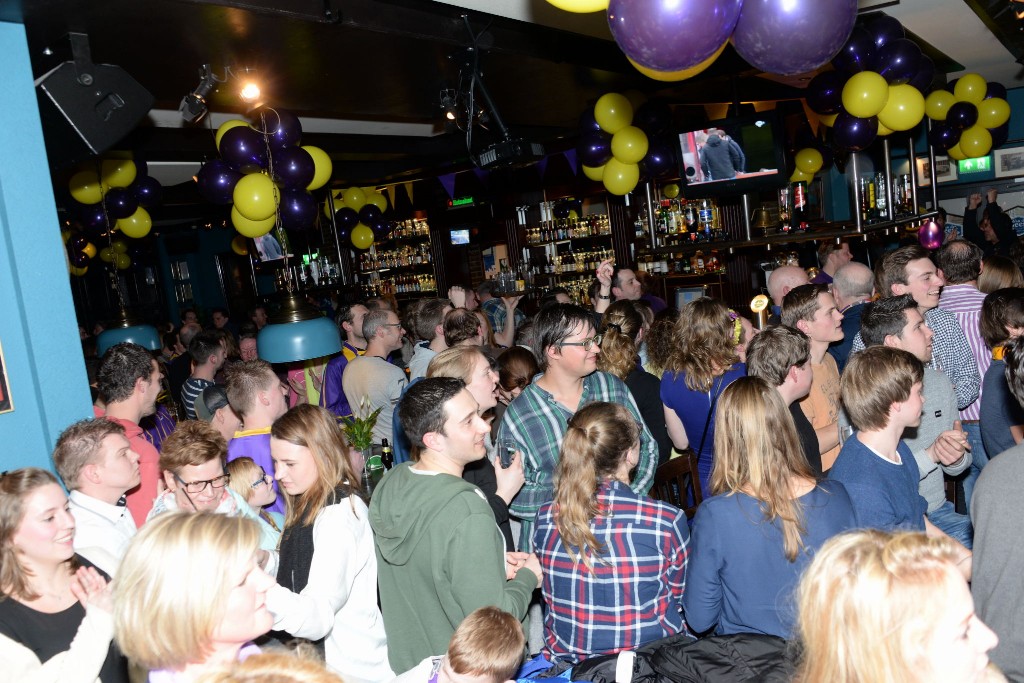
733, 155
460, 236
685, 295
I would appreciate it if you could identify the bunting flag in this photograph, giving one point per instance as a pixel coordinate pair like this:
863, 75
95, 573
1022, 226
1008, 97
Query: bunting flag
408, 190
716, 111
448, 182
390, 189
542, 166
482, 176
812, 117
570, 156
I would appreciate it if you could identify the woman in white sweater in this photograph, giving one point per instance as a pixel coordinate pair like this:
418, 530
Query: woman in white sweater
327, 572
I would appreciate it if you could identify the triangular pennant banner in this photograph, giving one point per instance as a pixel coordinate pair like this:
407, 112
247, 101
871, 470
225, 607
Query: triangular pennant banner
390, 189
448, 182
570, 156
408, 190
481, 175
812, 117
542, 166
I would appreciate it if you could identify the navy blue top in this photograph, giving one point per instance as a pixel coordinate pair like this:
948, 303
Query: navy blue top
884, 493
840, 350
738, 576
999, 410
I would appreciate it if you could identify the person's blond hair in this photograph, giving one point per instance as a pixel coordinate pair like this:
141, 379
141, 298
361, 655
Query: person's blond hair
490, 643
271, 666
866, 605
705, 346
244, 472
999, 273
193, 442
758, 452
245, 380
620, 325
172, 587
80, 445
873, 380
457, 361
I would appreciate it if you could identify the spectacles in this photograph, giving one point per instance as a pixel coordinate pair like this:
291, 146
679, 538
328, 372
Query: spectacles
391, 325
588, 343
200, 486
265, 479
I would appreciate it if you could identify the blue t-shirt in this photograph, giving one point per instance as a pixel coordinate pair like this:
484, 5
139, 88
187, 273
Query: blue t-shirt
738, 576
884, 493
999, 410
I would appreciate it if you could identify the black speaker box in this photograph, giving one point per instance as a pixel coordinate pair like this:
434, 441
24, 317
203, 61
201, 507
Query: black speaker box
88, 111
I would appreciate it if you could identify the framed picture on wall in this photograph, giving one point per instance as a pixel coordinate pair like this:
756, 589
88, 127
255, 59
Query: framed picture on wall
1009, 162
945, 171
6, 404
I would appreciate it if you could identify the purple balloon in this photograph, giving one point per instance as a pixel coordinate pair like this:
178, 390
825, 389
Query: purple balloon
78, 259
298, 209
995, 90
121, 202
942, 136
853, 133
94, 218
77, 242
660, 158
884, 30
281, 127
1000, 135
561, 210
370, 214
922, 80
244, 149
293, 167
856, 54
827, 157
141, 167
898, 61
791, 37
825, 92
652, 117
930, 235
588, 124
346, 217
148, 191
594, 149
649, 32
381, 228
216, 181
962, 115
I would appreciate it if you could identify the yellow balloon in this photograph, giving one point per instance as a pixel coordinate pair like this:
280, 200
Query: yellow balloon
629, 145
883, 131
123, 261
65, 235
620, 178
809, 160
573, 213
117, 172
120, 247
954, 152
993, 112
78, 272
323, 165
89, 250
613, 112
975, 142
239, 245
256, 197
225, 127
362, 237
681, 75
937, 104
580, 6
251, 228
970, 88
137, 225
671, 191
85, 187
594, 172
904, 109
828, 119
355, 198
800, 177
865, 94
107, 255
378, 200
338, 202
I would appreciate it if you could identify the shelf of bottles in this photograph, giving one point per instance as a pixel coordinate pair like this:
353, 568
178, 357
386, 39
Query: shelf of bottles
560, 230
566, 251
680, 221
691, 264
402, 264
873, 203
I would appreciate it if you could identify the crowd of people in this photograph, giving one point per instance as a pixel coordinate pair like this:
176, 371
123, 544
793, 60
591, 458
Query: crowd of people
219, 526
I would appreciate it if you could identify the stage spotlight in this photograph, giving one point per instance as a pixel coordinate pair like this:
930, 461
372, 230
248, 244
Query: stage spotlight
194, 106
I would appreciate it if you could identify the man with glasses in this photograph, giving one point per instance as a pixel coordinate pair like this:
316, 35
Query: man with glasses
370, 381
538, 418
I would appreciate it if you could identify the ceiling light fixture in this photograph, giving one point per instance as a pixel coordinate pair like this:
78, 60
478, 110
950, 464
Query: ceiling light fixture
195, 105
449, 103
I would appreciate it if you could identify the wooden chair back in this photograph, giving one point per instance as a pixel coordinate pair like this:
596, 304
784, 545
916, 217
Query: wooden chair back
677, 482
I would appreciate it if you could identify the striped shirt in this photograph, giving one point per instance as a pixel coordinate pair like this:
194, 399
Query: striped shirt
964, 302
537, 423
634, 594
190, 391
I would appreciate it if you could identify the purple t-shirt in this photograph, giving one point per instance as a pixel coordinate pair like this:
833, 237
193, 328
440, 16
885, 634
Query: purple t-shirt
255, 444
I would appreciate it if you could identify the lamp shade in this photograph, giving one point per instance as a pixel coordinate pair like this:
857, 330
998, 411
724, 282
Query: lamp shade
145, 336
297, 332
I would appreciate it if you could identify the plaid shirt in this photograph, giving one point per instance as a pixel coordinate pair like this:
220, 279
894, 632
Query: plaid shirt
950, 353
634, 594
964, 301
496, 314
537, 423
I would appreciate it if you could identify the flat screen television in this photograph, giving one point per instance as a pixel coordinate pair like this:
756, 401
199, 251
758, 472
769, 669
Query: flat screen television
459, 236
733, 155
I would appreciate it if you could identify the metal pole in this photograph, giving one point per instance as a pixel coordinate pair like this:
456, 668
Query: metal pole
887, 161
912, 155
649, 197
931, 172
746, 216
854, 168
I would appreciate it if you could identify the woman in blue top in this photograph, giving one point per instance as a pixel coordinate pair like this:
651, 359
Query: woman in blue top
704, 363
767, 517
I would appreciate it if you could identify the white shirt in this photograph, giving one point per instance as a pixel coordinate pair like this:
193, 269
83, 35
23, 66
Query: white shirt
378, 382
102, 530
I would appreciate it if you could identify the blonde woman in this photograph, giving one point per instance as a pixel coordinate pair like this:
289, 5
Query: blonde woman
999, 272
767, 516
255, 487
190, 595
877, 607
625, 553
327, 576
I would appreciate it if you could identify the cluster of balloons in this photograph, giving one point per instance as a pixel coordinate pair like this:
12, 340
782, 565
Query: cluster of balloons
809, 160
617, 147
359, 215
108, 194
969, 119
264, 173
876, 88
776, 36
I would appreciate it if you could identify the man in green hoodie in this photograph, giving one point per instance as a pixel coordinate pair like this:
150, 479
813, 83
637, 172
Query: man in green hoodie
439, 554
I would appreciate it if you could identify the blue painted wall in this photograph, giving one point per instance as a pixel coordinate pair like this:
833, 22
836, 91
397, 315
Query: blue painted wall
38, 329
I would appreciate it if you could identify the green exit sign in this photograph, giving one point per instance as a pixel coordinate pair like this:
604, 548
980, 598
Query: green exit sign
460, 201
974, 165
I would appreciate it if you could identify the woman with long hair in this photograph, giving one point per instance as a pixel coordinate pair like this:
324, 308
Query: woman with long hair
613, 561
189, 594
999, 272
766, 517
55, 607
622, 330
702, 364
327, 572
878, 607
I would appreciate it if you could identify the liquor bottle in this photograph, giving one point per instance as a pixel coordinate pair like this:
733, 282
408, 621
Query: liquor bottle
799, 205
387, 456
880, 201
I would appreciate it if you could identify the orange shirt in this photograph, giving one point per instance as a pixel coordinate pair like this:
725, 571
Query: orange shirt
821, 406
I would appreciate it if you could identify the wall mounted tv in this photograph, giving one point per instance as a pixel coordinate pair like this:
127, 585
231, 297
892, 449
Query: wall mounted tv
733, 156
460, 236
